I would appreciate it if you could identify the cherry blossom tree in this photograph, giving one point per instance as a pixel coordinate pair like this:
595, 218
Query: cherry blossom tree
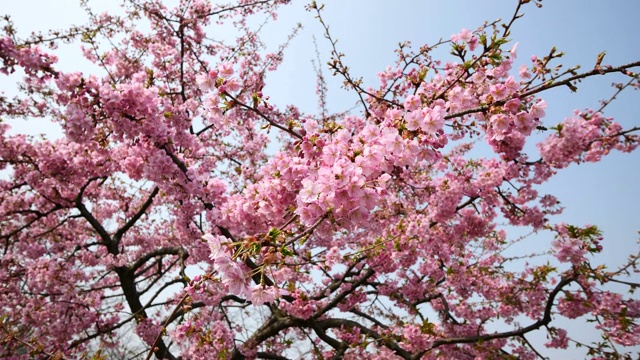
377, 234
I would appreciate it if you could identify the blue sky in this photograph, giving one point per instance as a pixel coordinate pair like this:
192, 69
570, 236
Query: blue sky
605, 194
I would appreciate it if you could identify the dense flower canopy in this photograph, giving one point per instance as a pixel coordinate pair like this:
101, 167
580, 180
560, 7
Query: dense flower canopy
376, 234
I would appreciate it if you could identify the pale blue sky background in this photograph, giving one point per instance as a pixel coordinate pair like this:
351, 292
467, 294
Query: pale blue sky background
606, 194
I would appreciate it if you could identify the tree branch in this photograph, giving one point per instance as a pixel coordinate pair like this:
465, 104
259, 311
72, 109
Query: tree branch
118, 235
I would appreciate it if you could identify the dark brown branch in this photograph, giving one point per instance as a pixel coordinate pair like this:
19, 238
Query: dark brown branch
265, 355
118, 235
176, 160
338, 345
569, 80
95, 224
237, 7
386, 341
29, 223
546, 319
271, 327
176, 250
263, 116
335, 301
547, 86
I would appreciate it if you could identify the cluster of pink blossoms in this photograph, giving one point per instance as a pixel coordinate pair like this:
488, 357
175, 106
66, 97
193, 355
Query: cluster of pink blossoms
467, 37
236, 277
583, 137
385, 227
218, 82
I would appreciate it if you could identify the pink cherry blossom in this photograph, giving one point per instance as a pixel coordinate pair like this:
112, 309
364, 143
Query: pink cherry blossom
184, 200
225, 70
